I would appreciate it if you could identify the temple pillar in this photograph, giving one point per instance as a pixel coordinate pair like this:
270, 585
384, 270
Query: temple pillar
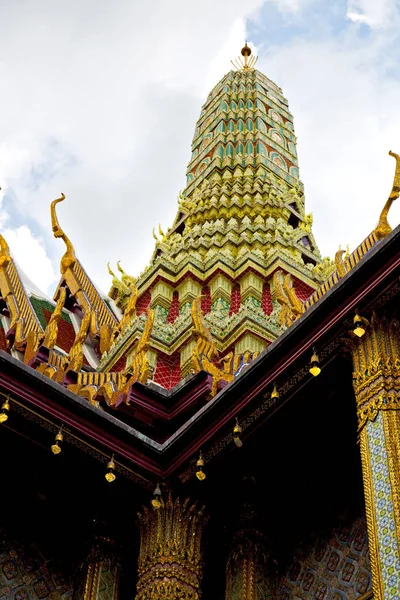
248, 570
99, 574
170, 560
376, 380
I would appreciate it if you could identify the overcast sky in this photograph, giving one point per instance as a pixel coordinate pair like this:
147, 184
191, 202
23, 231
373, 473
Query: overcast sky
100, 101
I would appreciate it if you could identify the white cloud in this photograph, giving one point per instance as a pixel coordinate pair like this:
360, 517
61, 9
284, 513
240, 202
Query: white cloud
346, 118
101, 99
291, 6
30, 255
374, 13
100, 102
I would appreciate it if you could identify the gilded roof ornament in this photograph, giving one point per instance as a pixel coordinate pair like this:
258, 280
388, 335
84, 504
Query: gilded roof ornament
307, 222
23, 320
129, 314
291, 306
117, 283
138, 369
383, 228
75, 356
205, 350
69, 258
248, 61
50, 334
296, 304
128, 280
4, 252
339, 262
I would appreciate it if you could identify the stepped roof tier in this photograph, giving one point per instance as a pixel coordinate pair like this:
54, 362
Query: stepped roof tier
241, 238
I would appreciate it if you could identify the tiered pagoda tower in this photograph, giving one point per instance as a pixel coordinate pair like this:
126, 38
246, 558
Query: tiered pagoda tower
241, 238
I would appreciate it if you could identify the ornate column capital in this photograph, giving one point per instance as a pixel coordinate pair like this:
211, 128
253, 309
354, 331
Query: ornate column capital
376, 369
170, 561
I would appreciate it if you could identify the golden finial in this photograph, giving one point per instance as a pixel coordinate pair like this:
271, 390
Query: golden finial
245, 52
339, 262
248, 60
69, 257
383, 228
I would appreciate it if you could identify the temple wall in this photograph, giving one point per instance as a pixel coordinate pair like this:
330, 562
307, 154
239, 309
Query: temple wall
25, 574
333, 567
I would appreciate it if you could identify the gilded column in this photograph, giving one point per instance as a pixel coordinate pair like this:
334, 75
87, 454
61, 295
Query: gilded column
376, 380
170, 560
248, 572
99, 574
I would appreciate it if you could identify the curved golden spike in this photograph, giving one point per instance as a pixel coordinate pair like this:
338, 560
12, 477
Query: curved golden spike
383, 228
145, 337
198, 320
129, 314
160, 231
296, 304
50, 334
116, 282
139, 368
201, 328
340, 266
111, 272
69, 257
75, 356
127, 279
120, 286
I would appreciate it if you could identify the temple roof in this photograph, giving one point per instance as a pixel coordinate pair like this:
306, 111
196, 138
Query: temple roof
135, 431
241, 237
229, 301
